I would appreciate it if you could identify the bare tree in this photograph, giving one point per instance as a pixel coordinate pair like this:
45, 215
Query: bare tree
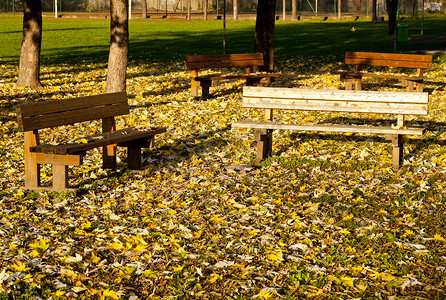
264, 37
29, 65
119, 46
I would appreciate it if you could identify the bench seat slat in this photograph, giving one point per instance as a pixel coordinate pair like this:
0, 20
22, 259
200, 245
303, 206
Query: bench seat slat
389, 76
224, 64
241, 56
329, 128
54, 106
336, 95
336, 100
224, 60
337, 106
389, 59
99, 140
235, 76
72, 116
396, 56
225, 57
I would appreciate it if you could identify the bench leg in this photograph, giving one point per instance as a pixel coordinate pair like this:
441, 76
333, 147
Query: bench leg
409, 85
109, 157
60, 177
358, 84
32, 171
349, 85
32, 168
398, 147
264, 138
109, 151
134, 156
419, 87
194, 84
205, 85
194, 88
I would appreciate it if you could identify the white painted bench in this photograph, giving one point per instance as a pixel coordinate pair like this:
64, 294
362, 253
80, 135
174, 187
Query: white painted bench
401, 104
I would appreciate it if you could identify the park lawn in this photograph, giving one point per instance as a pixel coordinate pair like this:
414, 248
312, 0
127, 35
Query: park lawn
325, 218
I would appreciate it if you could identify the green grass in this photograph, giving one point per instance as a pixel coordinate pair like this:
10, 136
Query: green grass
87, 40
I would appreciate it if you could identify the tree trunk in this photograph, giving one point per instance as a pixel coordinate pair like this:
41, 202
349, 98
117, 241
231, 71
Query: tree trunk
374, 11
144, 9
339, 9
189, 9
235, 9
284, 10
294, 10
29, 65
392, 7
264, 37
119, 46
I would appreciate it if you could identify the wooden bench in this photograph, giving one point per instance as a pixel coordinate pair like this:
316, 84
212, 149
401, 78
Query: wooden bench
353, 79
248, 60
35, 116
401, 104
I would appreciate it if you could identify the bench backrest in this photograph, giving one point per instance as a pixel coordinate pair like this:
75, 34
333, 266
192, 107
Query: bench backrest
224, 61
54, 113
399, 103
389, 60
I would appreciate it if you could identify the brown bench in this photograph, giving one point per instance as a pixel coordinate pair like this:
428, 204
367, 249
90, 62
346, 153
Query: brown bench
365, 59
35, 116
374, 102
249, 60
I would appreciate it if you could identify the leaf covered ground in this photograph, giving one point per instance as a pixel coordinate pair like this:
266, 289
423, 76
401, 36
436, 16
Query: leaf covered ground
325, 218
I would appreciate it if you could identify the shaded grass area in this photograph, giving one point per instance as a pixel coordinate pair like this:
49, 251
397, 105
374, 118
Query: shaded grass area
87, 40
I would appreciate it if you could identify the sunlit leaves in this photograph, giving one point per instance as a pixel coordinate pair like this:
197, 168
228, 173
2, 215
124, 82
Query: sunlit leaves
326, 217
18, 266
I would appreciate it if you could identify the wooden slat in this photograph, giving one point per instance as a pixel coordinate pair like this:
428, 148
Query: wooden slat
329, 128
243, 56
68, 111
73, 116
336, 100
235, 76
389, 59
100, 140
55, 159
53, 106
336, 95
388, 76
222, 61
333, 106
